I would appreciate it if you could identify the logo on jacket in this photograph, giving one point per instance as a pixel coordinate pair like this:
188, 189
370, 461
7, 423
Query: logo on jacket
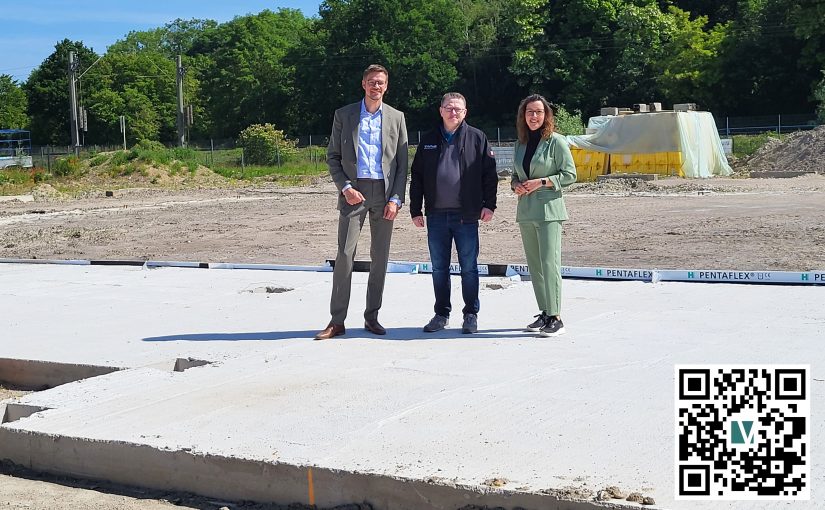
428, 147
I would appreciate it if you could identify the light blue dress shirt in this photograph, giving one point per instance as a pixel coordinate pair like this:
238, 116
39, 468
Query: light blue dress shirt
369, 144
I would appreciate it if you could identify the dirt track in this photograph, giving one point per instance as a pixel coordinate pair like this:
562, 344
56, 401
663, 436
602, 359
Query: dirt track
720, 223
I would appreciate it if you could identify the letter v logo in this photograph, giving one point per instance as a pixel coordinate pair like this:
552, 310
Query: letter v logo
742, 432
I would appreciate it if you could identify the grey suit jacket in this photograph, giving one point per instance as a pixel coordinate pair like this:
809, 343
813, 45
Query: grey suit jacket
343, 146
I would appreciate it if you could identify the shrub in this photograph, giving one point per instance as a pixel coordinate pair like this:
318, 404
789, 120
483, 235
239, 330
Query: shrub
265, 145
745, 145
149, 145
121, 157
568, 123
66, 167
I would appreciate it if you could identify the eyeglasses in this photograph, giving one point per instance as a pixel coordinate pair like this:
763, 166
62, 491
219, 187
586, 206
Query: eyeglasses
376, 83
453, 110
534, 113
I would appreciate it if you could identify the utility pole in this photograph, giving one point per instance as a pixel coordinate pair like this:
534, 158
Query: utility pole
73, 124
123, 129
181, 114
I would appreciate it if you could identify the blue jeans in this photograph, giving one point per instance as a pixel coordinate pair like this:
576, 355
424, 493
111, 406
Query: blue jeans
442, 229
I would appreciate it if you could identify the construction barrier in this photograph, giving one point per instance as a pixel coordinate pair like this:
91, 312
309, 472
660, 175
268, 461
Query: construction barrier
591, 164
660, 163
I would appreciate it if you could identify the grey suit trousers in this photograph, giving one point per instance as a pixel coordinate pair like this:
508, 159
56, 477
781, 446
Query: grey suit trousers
350, 223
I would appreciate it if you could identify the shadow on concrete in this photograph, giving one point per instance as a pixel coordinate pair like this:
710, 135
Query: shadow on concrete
393, 334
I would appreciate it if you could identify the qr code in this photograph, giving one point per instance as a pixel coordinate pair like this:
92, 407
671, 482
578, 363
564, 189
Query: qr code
742, 432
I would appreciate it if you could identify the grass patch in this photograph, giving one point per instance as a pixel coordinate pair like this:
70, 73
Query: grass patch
122, 157
98, 160
745, 145
249, 172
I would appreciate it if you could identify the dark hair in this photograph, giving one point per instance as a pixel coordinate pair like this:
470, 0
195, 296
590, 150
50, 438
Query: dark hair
375, 68
521, 123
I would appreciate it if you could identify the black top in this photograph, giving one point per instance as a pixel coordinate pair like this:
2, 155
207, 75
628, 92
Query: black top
478, 181
533, 139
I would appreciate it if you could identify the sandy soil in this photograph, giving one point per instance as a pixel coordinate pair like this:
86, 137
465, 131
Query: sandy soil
721, 223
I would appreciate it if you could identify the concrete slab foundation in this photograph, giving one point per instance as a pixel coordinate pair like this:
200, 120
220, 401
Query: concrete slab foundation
406, 421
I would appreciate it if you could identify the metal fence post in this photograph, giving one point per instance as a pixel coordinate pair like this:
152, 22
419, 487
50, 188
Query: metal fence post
727, 126
779, 124
211, 151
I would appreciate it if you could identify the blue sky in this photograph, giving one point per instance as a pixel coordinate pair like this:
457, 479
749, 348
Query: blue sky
29, 29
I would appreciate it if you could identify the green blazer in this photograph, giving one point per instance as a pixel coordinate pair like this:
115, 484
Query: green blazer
554, 161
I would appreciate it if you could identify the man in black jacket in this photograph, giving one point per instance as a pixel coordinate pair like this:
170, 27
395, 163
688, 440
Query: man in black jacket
454, 176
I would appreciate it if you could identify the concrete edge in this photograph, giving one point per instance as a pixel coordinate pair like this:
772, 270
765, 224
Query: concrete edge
236, 479
39, 375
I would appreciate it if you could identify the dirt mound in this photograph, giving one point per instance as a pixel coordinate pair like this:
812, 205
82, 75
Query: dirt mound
45, 192
803, 151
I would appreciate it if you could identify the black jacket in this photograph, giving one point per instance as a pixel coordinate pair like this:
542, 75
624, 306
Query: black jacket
479, 180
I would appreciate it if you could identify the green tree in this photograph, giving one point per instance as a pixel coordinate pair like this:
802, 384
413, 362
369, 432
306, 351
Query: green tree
714, 11
48, 92
246, 80
142, 87
566, 49
13, 104
759, 68
172, 39
685, 71
483, 61
417, 42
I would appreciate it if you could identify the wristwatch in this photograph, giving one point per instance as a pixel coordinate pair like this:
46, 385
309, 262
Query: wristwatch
543, 182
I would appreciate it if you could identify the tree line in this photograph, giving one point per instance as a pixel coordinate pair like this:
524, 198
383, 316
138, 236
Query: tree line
732, 57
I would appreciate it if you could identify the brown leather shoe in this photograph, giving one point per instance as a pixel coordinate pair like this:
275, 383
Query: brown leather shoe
374, 327
332, 330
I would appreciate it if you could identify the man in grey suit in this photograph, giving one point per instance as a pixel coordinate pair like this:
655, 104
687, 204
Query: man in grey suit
367, 159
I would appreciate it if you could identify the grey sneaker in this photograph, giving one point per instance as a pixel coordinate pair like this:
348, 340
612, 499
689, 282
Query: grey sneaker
470, 324
437, 323
540, 322
554, 327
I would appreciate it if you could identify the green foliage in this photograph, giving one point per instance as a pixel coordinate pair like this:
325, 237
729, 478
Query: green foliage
98, 160
416, 41
122, 157
568, 123
819, 96
745, 145
174, 38
16, 176
47, 90
247, 80
248, 172
733, 57
67, 167
13, 104
148, 100
685, 69
265, 145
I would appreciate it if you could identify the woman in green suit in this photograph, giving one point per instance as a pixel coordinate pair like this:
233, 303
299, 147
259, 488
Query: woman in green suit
543, 166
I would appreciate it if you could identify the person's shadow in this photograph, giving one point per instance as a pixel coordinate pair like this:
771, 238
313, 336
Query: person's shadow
393, 334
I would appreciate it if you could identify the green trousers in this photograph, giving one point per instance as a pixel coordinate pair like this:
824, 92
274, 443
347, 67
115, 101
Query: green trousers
542, 247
